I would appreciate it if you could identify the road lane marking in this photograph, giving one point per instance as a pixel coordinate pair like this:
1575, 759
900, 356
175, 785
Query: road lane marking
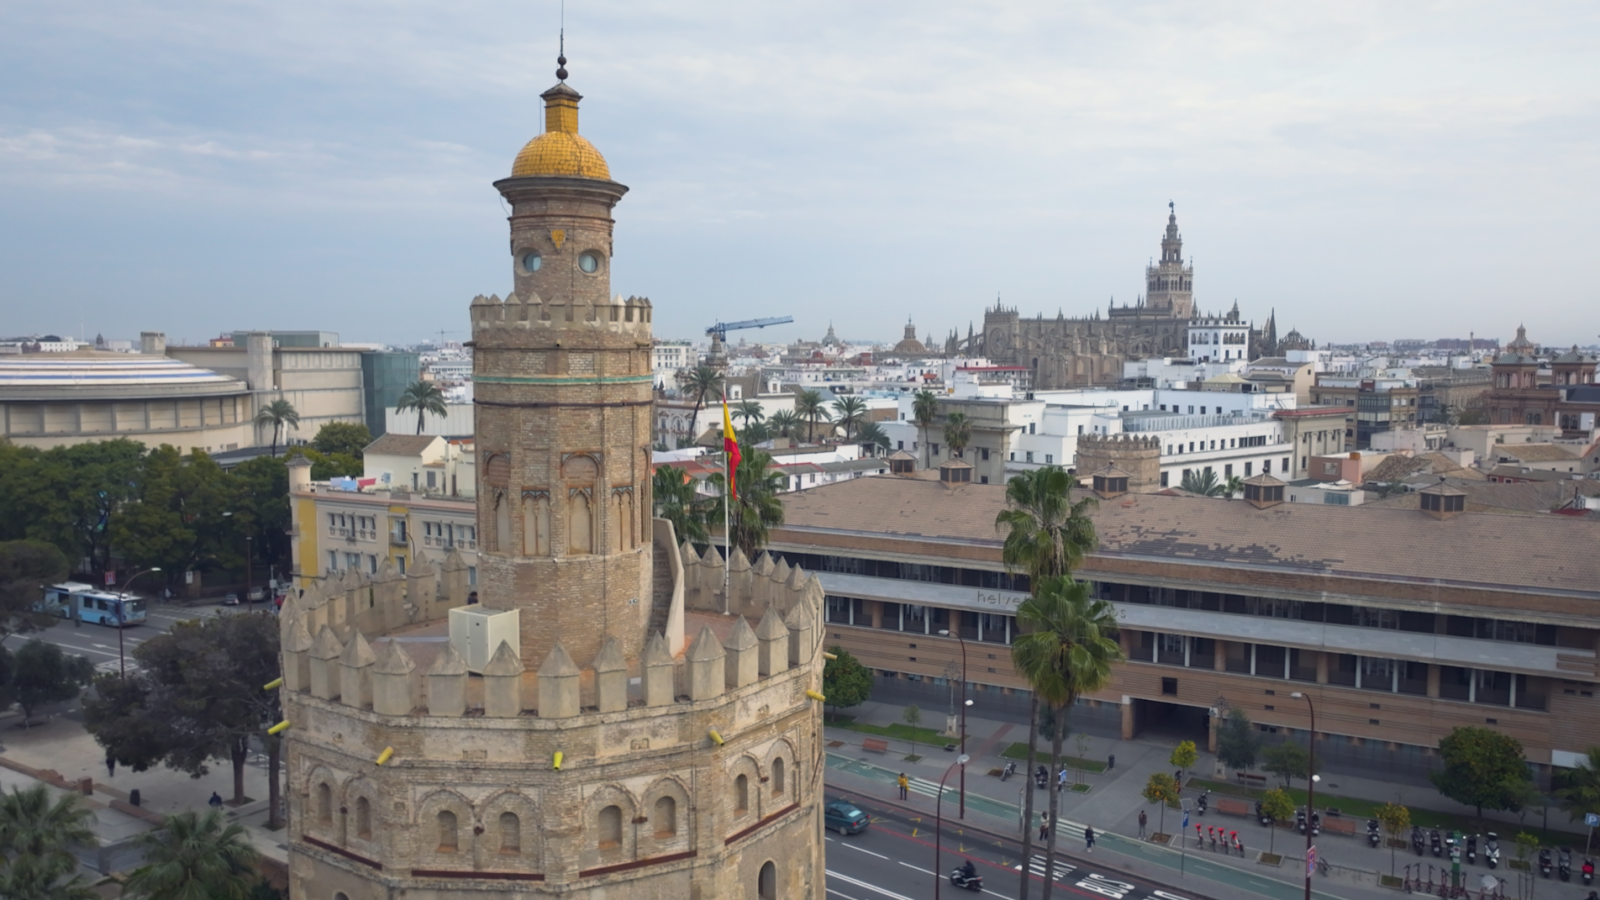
841, 894
866, 884
860, 850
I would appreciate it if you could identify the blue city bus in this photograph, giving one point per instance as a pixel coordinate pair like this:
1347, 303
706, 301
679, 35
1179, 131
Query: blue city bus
72, 598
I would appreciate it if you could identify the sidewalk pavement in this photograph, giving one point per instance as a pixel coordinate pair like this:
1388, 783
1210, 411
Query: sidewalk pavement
1114, 800
59, 752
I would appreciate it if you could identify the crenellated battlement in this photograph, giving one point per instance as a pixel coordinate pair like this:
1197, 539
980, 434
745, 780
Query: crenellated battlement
631, 315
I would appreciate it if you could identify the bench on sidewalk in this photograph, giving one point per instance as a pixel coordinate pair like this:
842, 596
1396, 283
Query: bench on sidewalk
1339, 825
876, 745
1251, 779
1232, 807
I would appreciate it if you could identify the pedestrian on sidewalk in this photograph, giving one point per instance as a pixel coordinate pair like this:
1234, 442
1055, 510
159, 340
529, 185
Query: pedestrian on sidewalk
1061, 779
111, 766
216, 799
1142, 822
1088, 838
904, 783
1044, 826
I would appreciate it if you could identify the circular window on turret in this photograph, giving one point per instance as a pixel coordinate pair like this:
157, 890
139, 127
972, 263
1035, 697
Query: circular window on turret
589, 261
531, 262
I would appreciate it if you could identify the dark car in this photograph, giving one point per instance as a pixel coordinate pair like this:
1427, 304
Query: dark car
231, 599
846, 818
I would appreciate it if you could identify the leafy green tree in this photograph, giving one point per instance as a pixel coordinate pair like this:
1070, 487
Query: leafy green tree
1472, 417
195, 856
1580, 791
925, 412
701, 383
872, 438
845, 681
1163, 789
1396, 820
757, 509
37, 835
1277, 805
1483, 768
424, 397
41, 674
912, 716
957, 432
1066, 649
25, 567
261, 510
1237, 741
1288, 761
68, 496
849, 413
678, 503
1183, 756
346, 438
782, 422
197, 697
175, 518
811, 409
1203, 482
281, 415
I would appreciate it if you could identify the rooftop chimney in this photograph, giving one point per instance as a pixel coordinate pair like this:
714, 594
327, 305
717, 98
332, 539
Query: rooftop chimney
1263, 491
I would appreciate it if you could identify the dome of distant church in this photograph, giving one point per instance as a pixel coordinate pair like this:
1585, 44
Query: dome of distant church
560, 150
909, 344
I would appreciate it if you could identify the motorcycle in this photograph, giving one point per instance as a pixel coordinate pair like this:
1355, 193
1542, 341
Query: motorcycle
1261, 816
1564, 864
1041, 777
1451, 851
1472, 849
1588, 870
1373, 839
1433, 840
1316, 824
961, 879
1416, 839
1491, 850
1300, 820
1008, 771
1202, 802
1544, 861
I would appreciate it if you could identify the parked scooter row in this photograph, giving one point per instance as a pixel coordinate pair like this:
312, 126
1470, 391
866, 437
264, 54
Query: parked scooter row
1300, 822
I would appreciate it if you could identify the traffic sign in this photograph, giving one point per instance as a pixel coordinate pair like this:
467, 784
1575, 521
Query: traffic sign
1186, 819
1311, 861
1591, 819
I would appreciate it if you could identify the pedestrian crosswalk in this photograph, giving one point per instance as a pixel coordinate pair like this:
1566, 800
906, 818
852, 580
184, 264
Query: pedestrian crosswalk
1036, 865
115, 666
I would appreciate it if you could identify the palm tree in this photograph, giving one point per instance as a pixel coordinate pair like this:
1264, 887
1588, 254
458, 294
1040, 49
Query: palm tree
195, 856
1066, 650
424, 397
757, 510
281, 415
809, 406
849, 412
1047, 536
1234, 486
677, 501
957, 432
783, 421
1582, 793
700, 382
924, 412
747, 411
36, 841
872, 437
1203, 482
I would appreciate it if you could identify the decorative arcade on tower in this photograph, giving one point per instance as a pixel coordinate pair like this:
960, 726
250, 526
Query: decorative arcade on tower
609, 721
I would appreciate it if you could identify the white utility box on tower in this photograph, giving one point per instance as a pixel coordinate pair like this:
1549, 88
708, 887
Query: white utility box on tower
476, 634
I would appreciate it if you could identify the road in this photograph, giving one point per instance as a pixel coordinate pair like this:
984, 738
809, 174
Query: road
894, 860
99, 643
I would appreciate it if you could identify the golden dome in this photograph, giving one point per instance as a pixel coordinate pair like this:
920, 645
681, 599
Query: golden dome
560, 150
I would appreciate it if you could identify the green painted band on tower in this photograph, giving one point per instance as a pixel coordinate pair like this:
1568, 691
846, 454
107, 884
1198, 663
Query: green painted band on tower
563, 379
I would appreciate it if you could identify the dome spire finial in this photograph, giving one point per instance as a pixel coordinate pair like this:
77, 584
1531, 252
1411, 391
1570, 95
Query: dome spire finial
561, 59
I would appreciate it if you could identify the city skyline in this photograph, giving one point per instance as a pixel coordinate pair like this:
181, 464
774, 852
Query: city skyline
1364, 171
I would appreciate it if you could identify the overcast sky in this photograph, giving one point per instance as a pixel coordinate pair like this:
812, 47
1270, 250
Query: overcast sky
1372, 170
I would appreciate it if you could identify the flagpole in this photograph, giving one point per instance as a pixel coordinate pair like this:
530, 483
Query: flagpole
727, 532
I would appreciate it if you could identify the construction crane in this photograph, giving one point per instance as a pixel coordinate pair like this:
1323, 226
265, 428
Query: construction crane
721, 329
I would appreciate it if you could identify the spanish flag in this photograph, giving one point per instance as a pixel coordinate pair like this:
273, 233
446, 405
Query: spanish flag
730, 445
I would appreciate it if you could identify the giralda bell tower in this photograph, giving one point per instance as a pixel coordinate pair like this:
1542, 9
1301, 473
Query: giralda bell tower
562, 384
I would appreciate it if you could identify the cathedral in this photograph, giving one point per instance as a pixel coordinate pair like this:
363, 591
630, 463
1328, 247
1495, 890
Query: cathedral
1085, 352
609, 714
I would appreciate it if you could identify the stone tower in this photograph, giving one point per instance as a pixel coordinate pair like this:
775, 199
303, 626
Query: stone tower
1136, 455
644, 732
1169, 285
562, 384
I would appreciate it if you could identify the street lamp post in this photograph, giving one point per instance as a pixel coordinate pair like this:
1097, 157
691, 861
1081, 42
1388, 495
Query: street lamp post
122, 605
1311, 782
938, 822
249, 600
962, 812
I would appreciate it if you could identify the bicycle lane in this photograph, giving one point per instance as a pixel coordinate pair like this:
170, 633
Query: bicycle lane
1146, 854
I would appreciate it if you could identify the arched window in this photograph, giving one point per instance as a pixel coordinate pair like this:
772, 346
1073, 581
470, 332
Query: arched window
666, 817
777, 777
502, 522
580, 524
611, 828
363, 819
767, 881
510, 833
741, 795
324, 804
447, 832
341, 895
